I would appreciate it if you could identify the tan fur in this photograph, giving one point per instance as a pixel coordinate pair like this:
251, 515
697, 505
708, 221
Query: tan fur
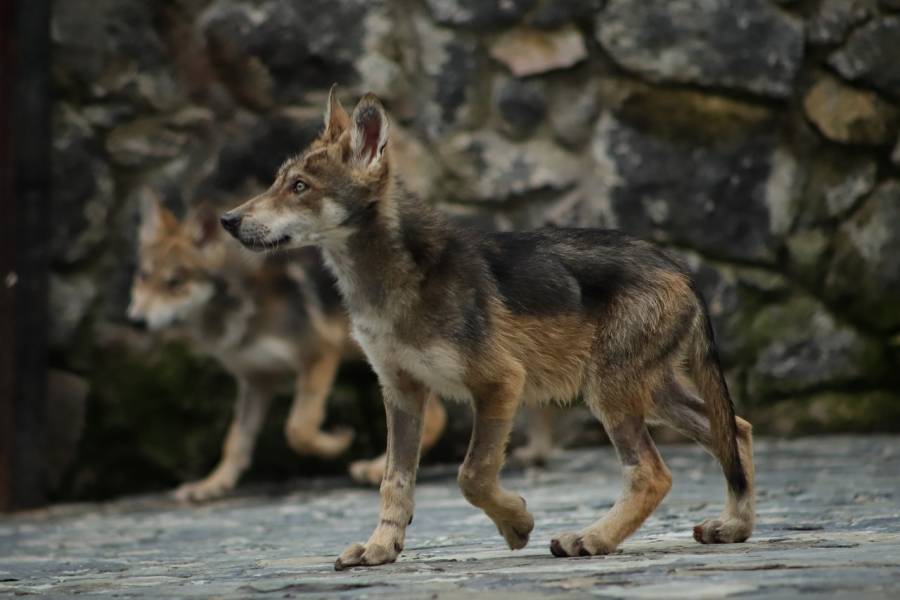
553, 351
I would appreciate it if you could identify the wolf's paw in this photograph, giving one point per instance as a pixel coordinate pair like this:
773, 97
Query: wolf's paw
723, 531
576, 544
368, 472
366, 555
336, 443
517, 529
203, 490
320, 443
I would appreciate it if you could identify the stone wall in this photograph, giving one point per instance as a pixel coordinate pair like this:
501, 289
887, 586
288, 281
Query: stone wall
757, 138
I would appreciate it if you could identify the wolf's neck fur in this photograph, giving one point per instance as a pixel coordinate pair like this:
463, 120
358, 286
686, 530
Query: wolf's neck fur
221, 323
380, 265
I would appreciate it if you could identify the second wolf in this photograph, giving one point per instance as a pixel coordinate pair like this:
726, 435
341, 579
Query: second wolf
271, 325
501, 319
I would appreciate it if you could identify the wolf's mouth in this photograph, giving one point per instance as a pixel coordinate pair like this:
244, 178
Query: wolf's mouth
260, 245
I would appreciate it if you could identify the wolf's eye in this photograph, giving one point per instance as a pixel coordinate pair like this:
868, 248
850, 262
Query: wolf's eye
299, 186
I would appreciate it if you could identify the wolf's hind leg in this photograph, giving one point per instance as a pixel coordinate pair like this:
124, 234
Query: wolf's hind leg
370, 472
250, 408
311, 389
647, 480
682, 410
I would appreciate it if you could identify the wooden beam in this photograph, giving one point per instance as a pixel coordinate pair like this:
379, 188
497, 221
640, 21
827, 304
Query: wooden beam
25, 142
7, 263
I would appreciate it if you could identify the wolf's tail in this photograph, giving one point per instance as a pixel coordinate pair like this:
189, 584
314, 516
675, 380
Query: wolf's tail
706, 371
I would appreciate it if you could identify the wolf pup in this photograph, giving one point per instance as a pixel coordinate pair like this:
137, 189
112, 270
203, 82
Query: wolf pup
501, 319
265, 324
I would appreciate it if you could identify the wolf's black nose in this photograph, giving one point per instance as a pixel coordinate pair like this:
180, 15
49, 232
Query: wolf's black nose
231, 222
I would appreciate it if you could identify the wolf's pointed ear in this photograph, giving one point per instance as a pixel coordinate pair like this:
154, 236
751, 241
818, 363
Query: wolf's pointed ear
155, 219
368, 132
203, 223
336, 118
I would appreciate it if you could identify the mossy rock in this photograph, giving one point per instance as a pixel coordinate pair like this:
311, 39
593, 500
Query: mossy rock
807, 250
800, 346
832, 412
152, 421
157, 420
734, 296
865, 273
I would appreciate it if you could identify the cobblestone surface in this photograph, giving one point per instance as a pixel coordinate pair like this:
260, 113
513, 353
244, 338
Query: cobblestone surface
828, 526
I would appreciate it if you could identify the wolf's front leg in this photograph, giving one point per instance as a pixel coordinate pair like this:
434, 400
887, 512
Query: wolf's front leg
404, 404
479, 474
371, 472
303, 427
250, 408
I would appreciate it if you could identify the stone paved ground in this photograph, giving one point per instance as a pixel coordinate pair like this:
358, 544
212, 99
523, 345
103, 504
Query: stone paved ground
829, 526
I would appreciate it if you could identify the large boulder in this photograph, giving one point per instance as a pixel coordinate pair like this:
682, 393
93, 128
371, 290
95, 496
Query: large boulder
521, 104
446, 86
836, 182
486, 167
858, 180
478, 14
865, 272
834, 18
169, 154
747, 45
143, 142
730, 197
526, 51
549, 14
573, 110
806, 252
110, 49
415, 161
254, 146
800, 346
870, 55
299, 44
850, 116
82, 186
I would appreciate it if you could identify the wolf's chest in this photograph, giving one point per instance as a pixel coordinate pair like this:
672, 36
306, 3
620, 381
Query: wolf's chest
436, 364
